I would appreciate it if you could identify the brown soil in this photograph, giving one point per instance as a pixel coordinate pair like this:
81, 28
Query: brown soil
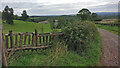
47, 22
108, 20
109, 48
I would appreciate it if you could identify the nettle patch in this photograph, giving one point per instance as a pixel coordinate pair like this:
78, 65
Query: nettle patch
78, 36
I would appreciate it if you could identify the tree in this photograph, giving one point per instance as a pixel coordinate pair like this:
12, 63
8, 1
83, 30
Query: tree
94, 16
84, 14
8, 15
11, 16
24, 15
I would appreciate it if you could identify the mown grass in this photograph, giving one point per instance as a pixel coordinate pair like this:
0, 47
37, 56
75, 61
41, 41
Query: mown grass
24, 26
113, 29
59, 56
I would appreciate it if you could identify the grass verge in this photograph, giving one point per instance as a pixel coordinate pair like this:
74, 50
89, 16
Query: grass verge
113, 29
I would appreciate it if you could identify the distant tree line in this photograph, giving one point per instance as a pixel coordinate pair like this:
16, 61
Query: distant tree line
8, 15
83, 15
38, 19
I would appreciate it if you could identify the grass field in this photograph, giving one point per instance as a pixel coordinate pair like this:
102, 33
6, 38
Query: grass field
113, 29
24, 26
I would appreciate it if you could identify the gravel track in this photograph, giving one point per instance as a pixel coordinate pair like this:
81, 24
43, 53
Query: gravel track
109, 48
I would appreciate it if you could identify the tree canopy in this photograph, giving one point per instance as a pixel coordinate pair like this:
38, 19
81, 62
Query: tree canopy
84, 14
24, 15
8, 15
94, 16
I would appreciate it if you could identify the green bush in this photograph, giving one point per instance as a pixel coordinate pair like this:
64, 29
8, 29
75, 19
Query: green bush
79, 35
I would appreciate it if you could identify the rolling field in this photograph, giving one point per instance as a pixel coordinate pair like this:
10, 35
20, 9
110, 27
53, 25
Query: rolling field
23, 26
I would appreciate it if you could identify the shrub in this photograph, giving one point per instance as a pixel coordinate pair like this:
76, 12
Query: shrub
79, 35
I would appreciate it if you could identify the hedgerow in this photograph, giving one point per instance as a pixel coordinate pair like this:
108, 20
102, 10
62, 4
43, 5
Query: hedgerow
79, 35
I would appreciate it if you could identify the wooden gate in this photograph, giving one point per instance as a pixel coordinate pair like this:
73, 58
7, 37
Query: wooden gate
24, 41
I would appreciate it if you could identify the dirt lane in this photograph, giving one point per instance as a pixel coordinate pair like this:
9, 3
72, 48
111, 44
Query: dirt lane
109, 48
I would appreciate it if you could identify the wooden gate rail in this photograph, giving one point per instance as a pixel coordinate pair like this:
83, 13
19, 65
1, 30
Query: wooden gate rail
24, 41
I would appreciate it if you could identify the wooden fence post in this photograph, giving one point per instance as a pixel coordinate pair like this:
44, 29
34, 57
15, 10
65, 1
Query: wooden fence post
11, 38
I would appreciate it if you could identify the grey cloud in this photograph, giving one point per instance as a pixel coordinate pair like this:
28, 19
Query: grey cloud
21, 5
107, 7
68, 8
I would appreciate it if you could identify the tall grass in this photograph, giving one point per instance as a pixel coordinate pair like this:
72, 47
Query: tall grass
58, 55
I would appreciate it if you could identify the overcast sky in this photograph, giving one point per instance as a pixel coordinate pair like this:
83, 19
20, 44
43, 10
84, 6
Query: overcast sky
59, 7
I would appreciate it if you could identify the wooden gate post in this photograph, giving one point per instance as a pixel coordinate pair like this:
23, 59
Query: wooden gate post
4, 59
36, 37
